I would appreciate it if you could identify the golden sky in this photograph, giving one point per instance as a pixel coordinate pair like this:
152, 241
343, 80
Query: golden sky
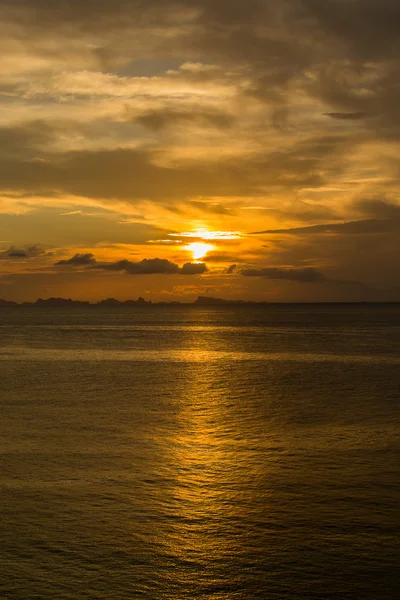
246, 150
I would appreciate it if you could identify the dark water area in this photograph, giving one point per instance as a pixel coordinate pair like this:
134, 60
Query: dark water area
190, 452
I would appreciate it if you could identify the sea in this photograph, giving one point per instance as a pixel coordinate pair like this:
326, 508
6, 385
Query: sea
174, 452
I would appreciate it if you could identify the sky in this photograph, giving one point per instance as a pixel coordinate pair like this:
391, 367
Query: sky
238, 149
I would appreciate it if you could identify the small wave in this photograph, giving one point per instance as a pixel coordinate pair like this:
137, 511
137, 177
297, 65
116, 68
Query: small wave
184, 355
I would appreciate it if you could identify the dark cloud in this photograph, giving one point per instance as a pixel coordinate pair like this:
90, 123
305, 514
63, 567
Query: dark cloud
25, 252
216, 208
25, 139
278, 43
369, 28
299, 211
282, 35
147, 266
79, 259
377, 207
144, 12
193, 269
95, 14
365, 226
133, 173
373, 93
79, 230
158, 119
305, 275
123, 174
231, 269
222, 257
355, 116
350, 48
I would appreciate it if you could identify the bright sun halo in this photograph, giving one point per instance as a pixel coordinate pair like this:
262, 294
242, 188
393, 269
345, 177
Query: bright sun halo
198, 249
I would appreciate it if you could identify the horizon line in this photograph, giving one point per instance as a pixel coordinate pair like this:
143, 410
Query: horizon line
199, 301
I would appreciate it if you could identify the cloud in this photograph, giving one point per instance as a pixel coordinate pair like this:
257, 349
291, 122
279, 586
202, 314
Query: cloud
122, 174
368, 27
79, 230
158, 119
147, 266
25, 138
189, 110
365, 226
129, 173
215, 208
305, 275
193, 269
377, 207
297, 210
22, 252
355, 116
223, 257
79, 260
230, 269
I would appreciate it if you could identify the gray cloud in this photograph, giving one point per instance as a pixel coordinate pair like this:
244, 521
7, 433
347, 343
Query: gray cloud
369, 28
355, 116
147, 266
131, 173
276, 41
24, 139
222, 257
282, 35
123, 174
193, 269
95, 14
144, 267
300, 211
365, 226
79, 260
22, 252
75, 230
216, 208
377, 207
305, 275
158, 119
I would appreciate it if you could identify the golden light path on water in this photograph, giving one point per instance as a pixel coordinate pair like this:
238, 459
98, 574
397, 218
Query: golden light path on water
209, 487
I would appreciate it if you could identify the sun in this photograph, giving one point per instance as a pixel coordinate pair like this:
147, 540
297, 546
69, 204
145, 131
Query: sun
198, 249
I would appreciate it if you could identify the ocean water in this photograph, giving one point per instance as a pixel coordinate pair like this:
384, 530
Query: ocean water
191, 452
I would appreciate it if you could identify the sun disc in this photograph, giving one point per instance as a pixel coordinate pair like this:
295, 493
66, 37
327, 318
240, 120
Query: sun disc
198, 249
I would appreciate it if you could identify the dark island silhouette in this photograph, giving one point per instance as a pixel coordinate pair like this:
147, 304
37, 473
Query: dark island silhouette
68, 302
141, 302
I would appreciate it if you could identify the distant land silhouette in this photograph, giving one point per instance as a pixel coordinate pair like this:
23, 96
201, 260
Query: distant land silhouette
200, 301
67, 302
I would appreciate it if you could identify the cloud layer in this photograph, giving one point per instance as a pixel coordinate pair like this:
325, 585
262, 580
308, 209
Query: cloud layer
143, 119
147, 266
305, 275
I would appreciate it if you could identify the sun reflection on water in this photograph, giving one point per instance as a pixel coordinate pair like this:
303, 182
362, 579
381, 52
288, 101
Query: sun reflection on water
208, 488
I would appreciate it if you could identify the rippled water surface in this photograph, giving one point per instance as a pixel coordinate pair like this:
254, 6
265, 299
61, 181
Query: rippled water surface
187, 452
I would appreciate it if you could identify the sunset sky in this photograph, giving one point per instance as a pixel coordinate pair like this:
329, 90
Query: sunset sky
231, 148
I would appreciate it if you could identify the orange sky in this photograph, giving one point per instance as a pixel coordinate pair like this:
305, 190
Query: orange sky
170, 149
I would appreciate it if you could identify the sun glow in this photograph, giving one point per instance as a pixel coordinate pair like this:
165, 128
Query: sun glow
204, 234
198, 238
198, 249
